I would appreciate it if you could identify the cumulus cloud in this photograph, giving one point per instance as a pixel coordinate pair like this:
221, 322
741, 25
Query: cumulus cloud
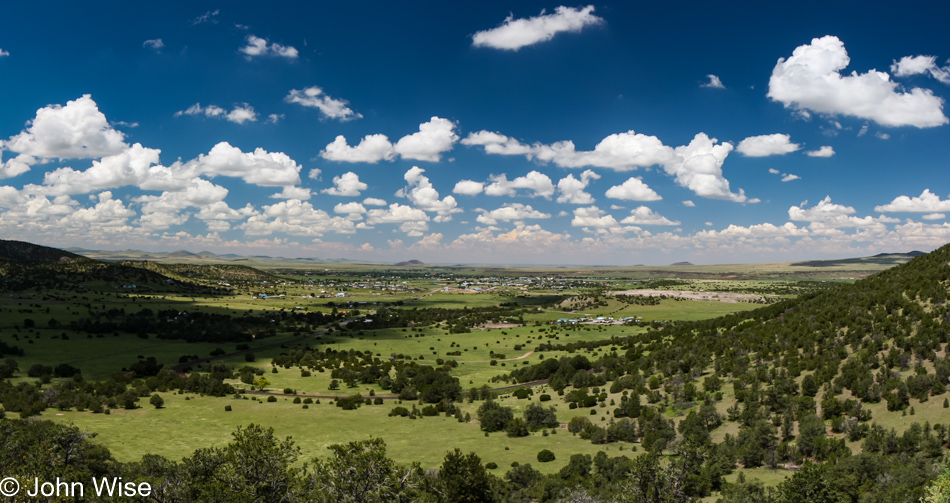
138, 166
434, 137
926, 202
371, 149
513, 34
766, 145
633, 190
824, 151
13, 167
423, 195
811, 80
713, 83
77, 130
934, 216
915, 65
331, 108
239, 114
536, 182
348, 184
267, 169
509, 212
787, 177
468, 188
297, 218
373, 201
689, 204
824, 210
597, 219
257, 46
291, 192
353, 210
572, 190
645, 216
155, 43
826, 217
412, 221
698, 167
621, 151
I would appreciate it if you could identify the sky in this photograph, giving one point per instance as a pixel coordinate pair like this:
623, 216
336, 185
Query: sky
482, 133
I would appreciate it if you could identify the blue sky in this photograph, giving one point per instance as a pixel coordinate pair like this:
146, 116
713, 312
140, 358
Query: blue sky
518, 133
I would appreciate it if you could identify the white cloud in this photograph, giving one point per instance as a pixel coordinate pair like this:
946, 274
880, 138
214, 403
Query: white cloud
620, 151
4, 53
824, 210
239, 114
496, 143
412, 221
267, 169
165, 210
572, 189
331, 108
827, 218
926, 202
291, 192
468, 188
811, 80
155, 43
882, 136
824, 151
766, 145
509, 212
689, 204
274, 118
593, 217
373, 201
297, 218
934, 216
914, 65
14, 167
75, 131
314, 174
698, 167
206, 17
514, 34
713, 83
433, 138
372, 149
423, 195
774, 171
535, 181
787, 177
242, 113
646, 216
352, 209
348, 184
131, 167
257, 46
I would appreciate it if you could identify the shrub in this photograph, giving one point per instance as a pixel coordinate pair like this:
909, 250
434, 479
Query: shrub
545, 456
399, 411
272, 399
227, 408
491, 465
